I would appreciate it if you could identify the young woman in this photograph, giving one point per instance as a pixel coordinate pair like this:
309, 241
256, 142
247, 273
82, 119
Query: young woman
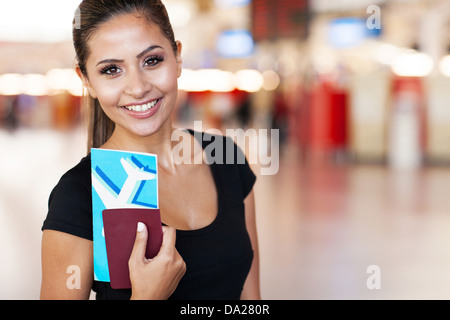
129, 63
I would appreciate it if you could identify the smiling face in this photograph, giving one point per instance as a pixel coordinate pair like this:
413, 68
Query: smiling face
132, 70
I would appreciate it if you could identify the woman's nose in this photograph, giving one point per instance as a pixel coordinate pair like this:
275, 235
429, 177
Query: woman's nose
137, 84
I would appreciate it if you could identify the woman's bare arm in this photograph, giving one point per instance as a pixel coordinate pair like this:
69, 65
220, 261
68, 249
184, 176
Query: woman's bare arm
251, 289
67, 267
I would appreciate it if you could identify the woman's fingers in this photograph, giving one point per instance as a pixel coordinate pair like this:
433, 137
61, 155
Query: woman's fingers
140, 244
155, 278
169, 239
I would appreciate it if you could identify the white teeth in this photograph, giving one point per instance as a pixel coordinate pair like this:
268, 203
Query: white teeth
143, 107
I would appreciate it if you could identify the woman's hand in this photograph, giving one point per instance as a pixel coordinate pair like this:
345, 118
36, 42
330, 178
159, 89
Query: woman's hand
157, 278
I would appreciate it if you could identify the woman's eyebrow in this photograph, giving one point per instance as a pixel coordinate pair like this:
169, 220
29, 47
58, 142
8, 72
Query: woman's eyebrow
110, 61
140, 55
151, 48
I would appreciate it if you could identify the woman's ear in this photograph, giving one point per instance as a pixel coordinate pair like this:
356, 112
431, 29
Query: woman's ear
85, 81
179, 60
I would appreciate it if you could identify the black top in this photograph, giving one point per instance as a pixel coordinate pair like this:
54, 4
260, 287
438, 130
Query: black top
218, 257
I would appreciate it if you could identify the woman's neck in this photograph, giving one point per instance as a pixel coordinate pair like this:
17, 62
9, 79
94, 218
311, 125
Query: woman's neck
159, 143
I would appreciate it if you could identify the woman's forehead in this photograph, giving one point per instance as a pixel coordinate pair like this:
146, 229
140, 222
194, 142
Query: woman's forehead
126, 33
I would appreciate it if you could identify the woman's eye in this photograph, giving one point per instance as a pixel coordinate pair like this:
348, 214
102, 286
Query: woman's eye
110, 70
153, 61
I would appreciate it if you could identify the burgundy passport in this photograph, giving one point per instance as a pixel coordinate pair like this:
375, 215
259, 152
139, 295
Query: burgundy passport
120, 226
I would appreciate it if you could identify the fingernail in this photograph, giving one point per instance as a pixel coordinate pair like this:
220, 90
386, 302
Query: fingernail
140, 227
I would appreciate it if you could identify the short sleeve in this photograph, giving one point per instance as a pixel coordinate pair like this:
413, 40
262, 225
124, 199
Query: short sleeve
232, 163
247, 177
69, 206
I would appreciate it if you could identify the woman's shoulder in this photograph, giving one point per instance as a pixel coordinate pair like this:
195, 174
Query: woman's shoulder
69, 205
214, 140
227, 157
80, 173
73, 184
83, 166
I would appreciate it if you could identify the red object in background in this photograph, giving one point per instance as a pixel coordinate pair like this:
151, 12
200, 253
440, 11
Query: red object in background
412, 86
66, 110
324, 120
339, 118
407, 130
274, 19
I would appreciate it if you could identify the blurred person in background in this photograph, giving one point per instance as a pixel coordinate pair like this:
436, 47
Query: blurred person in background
280, 115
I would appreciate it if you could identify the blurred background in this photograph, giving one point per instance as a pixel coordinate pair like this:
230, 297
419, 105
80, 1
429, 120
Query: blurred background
359, 91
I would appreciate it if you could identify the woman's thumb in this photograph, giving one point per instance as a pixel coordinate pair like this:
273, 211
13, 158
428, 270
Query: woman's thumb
140, 244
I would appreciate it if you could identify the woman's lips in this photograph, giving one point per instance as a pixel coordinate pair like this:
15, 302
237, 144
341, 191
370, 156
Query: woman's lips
143, 111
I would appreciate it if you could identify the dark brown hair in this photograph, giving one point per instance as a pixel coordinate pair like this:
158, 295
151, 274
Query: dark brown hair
88, 17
